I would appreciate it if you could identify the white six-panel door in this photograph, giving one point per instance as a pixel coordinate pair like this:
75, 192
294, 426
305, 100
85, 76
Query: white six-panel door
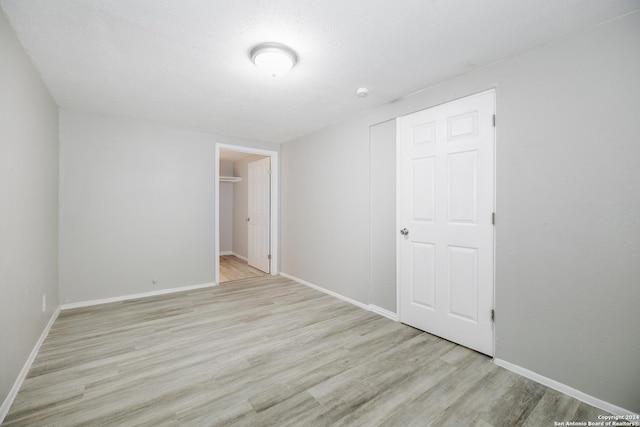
446, 202
259, 183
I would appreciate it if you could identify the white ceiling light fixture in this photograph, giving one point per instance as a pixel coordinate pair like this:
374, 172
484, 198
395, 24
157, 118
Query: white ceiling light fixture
274, 59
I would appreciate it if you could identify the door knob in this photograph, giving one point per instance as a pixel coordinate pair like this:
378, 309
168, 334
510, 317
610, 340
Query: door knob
404, 231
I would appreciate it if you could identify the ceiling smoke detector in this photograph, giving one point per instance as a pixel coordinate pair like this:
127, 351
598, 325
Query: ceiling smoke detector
363, 92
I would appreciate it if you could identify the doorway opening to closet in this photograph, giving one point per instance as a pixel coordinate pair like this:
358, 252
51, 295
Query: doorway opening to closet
246, 213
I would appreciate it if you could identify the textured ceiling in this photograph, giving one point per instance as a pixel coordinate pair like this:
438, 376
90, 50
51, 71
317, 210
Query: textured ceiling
185, 62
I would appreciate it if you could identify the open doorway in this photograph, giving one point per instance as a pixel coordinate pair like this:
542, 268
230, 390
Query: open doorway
246, 213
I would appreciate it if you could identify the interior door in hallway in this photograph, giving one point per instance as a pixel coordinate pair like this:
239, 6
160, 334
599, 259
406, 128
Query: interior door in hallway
446, 204
259, 183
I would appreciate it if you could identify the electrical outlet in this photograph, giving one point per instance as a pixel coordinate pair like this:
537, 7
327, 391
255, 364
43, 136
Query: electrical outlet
44, 303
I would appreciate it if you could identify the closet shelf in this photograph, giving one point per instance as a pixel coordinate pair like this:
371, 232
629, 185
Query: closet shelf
230, 179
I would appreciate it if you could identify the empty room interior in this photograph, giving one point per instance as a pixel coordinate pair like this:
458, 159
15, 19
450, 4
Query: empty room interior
319, 213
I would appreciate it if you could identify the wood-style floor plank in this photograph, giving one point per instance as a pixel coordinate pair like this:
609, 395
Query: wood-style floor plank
267, 351
233, 268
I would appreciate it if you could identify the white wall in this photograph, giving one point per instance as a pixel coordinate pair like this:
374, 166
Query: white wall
382, 138
226, 208
28, 206
137, 205
568, 206
325, 209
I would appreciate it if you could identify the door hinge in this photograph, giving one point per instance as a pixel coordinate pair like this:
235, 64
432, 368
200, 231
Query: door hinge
493, 218
494, 120
493, 315
269, 256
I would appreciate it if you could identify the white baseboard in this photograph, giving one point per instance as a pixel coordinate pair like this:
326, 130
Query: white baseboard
328, 292
234, 254
4, 409
134, 296
563, 388
383, 312
239, 256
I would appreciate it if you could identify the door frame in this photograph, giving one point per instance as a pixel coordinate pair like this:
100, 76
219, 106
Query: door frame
398, 224
274, 208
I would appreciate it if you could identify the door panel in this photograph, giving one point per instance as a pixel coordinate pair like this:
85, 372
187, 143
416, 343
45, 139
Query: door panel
259, 183
423, 284
463, 283
446, 200
424, 191
463, 187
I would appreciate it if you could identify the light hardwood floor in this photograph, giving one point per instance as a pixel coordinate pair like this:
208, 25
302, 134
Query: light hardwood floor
233, 268
267, 352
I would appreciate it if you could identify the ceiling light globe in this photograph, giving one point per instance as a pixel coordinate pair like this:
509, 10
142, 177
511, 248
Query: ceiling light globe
273, 59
